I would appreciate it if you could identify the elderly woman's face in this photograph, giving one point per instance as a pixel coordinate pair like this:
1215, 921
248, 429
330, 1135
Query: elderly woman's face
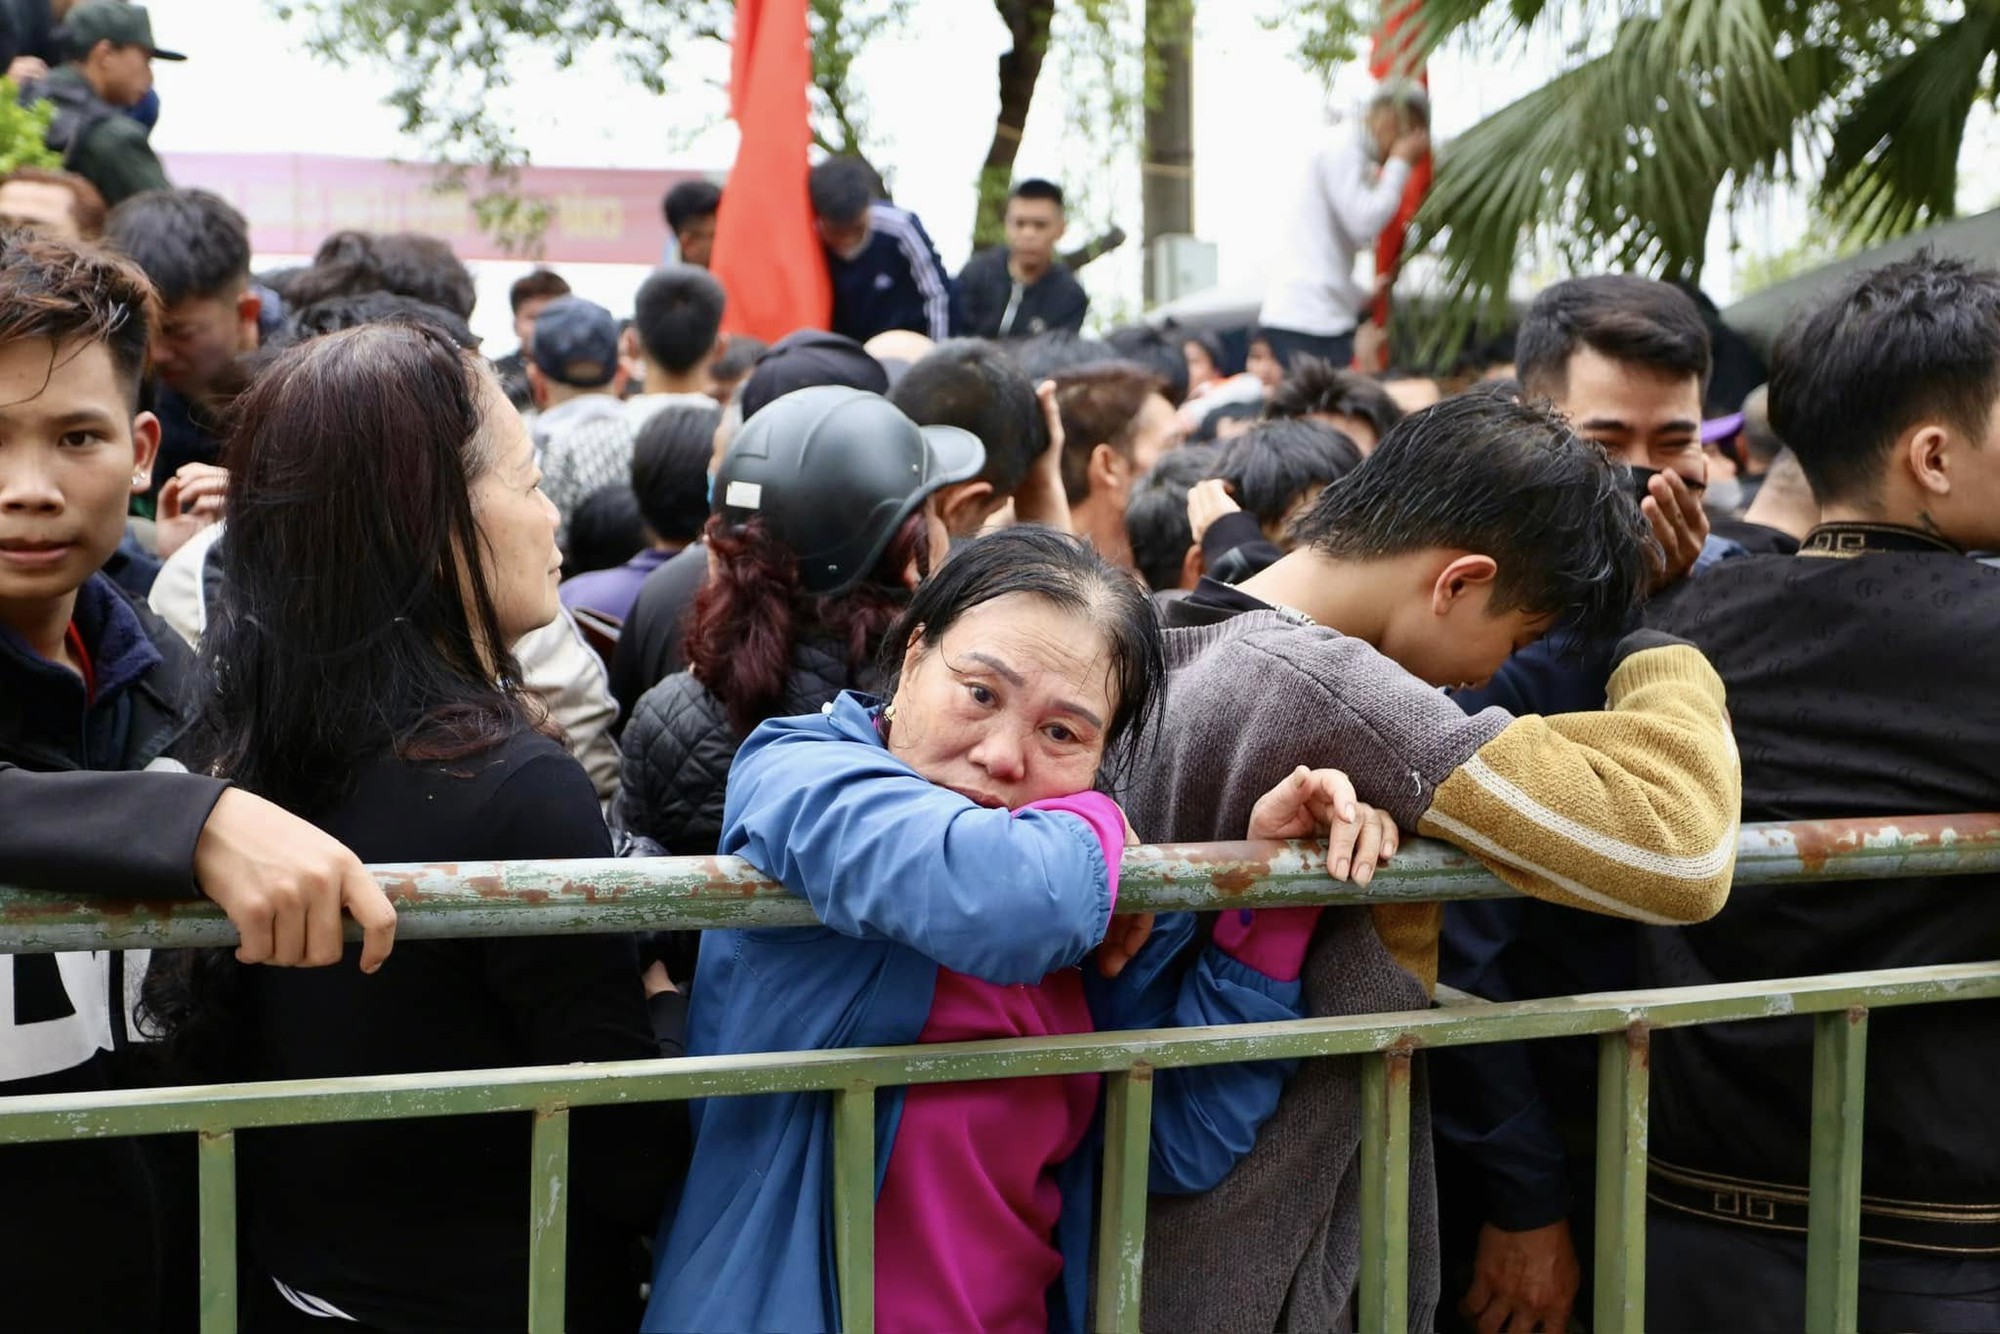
1011, 707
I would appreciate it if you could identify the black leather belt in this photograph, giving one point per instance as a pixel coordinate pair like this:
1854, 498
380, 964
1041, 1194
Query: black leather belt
1911, 1225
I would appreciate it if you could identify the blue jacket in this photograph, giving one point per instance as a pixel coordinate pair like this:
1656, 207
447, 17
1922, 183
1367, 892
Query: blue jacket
896, 282
908, 876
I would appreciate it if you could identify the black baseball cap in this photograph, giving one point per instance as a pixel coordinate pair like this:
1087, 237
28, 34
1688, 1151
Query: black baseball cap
833, 472
576, 342
807, 358
112, 21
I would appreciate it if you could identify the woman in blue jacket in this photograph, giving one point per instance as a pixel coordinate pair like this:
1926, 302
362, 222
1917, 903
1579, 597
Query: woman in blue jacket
962, 866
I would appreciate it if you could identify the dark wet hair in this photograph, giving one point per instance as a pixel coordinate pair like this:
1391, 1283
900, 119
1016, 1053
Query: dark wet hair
65, 291
1272, 464
1617, 315
340, 630
1156, 515
972, 384
1483, 472
1066, 572
842, 188
1164, 355
1913, 341
1048, 355
606, 531
677, 313
535, 285
351, 312
406, 263
1315, 385
190, 243
670, 458
690, 200
1037, 188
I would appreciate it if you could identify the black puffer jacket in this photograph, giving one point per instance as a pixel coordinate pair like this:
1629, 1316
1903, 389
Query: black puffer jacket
679, 745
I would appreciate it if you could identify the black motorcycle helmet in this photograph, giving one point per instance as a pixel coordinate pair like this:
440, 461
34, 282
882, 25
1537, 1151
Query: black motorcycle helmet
834, 472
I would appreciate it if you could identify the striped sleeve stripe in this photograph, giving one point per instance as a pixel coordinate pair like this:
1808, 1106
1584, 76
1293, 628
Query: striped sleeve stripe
1702, 867
923, 267
1471, 839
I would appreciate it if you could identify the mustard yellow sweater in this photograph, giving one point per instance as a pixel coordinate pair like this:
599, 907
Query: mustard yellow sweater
1631, 811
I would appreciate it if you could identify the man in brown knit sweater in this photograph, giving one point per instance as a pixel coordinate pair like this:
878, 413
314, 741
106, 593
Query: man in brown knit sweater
1475, 526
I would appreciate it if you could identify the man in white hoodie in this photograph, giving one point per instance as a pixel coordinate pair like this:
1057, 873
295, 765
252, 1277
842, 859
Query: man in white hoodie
1353, 184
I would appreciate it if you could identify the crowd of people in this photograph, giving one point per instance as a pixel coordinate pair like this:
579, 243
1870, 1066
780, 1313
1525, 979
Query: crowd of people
928, 616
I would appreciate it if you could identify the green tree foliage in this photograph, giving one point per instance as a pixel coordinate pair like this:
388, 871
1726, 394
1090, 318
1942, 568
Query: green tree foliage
452, 63
24, 131
1666, 106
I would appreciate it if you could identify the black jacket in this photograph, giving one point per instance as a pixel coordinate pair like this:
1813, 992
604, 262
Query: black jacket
652, 643
97, 140
69, 821
1859, 687
145, 675
339, 1211
1056, 300
679, 746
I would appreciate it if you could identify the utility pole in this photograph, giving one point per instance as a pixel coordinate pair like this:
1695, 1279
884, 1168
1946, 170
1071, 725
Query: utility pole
1168, 182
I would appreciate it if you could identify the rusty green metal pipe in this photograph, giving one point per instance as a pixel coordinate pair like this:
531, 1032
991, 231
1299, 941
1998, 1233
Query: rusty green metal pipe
220, 1107
702, 893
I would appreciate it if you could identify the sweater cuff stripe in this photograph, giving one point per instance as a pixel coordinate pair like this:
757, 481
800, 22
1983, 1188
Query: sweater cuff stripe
1704, 866
1487, 850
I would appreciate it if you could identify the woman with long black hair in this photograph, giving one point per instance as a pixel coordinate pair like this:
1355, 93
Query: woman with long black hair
388, 543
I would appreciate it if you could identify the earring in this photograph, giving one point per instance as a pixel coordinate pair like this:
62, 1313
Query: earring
889, 713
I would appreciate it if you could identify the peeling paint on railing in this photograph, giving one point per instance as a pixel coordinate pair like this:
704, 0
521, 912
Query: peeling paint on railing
700, 893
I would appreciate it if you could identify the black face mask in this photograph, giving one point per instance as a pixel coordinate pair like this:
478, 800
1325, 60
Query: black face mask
1642, 477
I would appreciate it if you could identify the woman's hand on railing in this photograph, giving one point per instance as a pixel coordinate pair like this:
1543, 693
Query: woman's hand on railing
283, 884
1126, 935
1314, 803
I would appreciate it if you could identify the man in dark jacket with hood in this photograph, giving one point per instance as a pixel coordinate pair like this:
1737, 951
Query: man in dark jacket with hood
89, 681
109, 70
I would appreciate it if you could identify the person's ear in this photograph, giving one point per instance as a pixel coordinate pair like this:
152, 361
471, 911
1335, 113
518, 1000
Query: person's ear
1062, 229
1107, 469
145, 448
538, 384
249, 309
1460, 580
721, 348
1928, 452
964, 506
913, 652
1193, 566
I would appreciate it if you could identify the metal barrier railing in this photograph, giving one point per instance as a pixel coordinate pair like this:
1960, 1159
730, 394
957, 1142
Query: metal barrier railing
546, 898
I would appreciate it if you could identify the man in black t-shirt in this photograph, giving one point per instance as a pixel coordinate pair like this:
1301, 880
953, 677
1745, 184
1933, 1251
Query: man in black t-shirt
1861, 684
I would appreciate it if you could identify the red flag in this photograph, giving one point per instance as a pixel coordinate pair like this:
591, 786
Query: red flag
767, 252
1391, 56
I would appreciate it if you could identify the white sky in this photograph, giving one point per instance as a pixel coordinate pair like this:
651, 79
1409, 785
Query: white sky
250, 87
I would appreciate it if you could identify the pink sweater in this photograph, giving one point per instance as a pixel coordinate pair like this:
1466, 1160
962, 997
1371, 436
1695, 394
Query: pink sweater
965, 1221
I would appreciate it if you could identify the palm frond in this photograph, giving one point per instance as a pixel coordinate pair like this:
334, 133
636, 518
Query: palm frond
1894, 157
